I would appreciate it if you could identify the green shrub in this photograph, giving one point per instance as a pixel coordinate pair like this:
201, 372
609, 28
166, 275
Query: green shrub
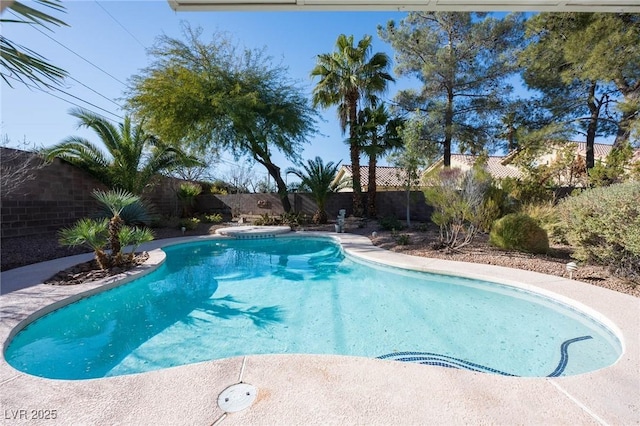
212, 218
266, 220
548, 217
403, 239
604, 226
390, 223
190, 223
517, 231
187, 194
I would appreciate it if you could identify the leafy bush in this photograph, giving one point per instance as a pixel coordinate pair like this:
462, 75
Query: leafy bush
517, 231
212, 218
390, 223
604, 226
189, 223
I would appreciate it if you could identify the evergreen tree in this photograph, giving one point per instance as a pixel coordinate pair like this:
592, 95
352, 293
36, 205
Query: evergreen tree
463, 61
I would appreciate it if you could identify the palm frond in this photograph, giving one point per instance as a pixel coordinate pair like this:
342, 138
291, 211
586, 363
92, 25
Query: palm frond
115, 200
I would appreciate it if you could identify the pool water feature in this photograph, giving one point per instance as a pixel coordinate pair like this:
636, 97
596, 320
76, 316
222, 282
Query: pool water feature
222, 298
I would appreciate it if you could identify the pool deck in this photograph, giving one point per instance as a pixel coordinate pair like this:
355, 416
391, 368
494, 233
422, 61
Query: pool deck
310, 389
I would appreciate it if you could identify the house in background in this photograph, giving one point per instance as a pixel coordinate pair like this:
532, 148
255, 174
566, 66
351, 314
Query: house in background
500, 167
387, 178
571, 173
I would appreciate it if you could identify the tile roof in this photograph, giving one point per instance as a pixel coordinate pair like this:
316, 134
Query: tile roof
495, 165
600, 150
386, 176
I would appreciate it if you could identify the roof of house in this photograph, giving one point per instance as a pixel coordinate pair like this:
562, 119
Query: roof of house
386, 176
600, 150
496, 165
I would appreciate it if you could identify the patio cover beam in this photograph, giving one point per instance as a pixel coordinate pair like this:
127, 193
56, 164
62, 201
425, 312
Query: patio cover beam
614, 6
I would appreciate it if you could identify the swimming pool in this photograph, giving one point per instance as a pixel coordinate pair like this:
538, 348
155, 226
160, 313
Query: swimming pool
217, 299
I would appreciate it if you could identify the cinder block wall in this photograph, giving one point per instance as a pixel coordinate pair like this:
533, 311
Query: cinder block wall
389, 203
56, 196
59, 194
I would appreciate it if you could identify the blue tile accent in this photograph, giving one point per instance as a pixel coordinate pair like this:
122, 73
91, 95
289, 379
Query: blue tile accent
564, 355
429, 358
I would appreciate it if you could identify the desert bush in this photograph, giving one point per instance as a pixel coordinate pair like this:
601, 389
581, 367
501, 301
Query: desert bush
464, 203
390, 223
517, 231
546, 214
266, 220
403, 239
604, 226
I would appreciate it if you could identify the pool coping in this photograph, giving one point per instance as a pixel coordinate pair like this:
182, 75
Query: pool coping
327, 389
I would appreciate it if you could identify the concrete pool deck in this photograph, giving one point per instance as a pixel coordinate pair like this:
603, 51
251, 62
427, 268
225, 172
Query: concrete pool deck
310, 389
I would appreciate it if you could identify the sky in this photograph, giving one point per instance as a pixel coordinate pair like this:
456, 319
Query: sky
106, 43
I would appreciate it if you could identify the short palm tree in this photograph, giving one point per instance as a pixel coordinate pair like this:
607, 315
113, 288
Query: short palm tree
91, 233
115, 202
350, 75
134, 156
96, 234
318, 179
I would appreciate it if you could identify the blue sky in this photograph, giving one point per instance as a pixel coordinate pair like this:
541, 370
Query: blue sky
114, 35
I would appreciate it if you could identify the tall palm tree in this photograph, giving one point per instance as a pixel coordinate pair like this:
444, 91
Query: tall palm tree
378, 134
134, 156
318, 178
349, 76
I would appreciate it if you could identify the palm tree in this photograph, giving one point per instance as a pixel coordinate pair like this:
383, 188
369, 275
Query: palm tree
97, 233
318, 178
19, 63
115, 201
348, 76
134, 156
377, 133
92, 233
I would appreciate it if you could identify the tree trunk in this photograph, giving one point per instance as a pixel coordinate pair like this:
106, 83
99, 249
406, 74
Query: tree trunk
354, 151
372, 188
448, 129
409, 205
591, 128
274, 172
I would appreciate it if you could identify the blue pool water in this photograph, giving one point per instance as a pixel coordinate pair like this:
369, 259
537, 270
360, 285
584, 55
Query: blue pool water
216, 299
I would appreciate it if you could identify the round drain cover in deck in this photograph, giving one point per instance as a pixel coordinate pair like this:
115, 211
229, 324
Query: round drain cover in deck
237, 397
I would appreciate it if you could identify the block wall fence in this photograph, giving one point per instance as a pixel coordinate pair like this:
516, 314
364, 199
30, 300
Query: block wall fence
58, 194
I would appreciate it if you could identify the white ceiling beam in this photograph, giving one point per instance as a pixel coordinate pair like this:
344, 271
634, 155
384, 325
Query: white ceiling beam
629, 6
